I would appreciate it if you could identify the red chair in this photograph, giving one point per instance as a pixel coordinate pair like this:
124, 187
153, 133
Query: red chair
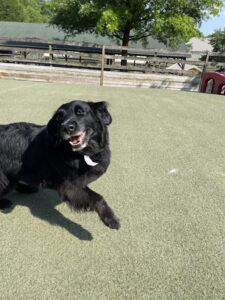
218, 82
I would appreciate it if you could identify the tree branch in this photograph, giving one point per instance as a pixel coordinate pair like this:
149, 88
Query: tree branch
133, 38
115, 35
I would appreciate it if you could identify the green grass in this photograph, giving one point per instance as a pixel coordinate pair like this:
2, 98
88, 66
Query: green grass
172, 236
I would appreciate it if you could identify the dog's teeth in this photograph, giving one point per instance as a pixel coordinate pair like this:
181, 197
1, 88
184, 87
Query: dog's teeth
74, 144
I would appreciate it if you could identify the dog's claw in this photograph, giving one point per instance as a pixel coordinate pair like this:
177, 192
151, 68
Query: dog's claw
113, 222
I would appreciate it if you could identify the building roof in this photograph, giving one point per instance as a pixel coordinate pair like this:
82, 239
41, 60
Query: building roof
200, 44
49, 32
187, 67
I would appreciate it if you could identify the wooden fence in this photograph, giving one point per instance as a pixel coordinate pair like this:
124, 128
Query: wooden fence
93, 56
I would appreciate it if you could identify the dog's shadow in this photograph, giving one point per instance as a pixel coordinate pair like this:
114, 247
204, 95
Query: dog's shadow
42, 205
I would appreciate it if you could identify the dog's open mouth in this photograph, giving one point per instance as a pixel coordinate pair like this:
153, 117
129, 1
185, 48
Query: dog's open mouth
77, 140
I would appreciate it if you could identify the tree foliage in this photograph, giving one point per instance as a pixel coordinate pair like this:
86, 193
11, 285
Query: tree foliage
170, 22
11, 10
36, 11
217, 40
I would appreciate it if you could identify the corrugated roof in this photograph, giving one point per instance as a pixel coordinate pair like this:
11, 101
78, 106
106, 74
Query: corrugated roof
48, 32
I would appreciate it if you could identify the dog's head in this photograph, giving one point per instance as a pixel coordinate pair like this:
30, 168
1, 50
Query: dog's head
79, 124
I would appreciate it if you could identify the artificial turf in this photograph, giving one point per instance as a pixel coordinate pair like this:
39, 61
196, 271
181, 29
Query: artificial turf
166, 183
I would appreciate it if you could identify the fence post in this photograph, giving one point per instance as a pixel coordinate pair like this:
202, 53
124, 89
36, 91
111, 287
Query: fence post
154, 63
206, 61
102, 66
204, 68
50, 54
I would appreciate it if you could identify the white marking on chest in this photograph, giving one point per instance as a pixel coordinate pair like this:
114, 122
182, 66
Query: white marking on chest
89, 161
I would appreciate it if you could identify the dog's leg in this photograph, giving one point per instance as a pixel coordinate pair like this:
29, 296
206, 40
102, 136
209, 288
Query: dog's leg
4, 188
86, 199
105, 213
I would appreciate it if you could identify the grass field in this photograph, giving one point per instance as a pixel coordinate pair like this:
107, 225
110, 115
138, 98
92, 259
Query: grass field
166, 183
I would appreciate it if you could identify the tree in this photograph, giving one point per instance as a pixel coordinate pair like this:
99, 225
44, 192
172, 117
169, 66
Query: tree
171, 22
35, 11
12, 10
217, 40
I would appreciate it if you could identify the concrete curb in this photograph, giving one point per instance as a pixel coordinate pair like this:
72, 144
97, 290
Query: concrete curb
84, 76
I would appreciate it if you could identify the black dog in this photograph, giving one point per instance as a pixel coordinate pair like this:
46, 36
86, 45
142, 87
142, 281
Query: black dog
66, 155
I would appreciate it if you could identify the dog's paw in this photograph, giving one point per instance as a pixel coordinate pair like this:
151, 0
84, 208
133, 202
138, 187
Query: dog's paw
112, 222
5, 204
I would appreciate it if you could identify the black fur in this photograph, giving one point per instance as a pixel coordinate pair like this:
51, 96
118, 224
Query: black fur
52, 156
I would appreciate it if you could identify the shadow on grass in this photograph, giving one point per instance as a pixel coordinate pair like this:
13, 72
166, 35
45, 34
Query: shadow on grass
42, 205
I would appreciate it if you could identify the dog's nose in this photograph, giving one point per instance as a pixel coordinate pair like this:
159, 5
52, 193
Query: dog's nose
70, 127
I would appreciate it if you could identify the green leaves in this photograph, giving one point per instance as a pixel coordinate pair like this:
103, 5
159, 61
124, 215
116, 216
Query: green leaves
12, 10
35, 11
174, 29
112, 19
217, 40
108, 23
171, 22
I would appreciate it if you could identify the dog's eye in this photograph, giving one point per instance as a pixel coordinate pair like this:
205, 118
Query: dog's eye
79, 111
59, 115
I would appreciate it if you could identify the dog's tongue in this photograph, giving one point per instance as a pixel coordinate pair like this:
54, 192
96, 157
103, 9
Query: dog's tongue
76, 139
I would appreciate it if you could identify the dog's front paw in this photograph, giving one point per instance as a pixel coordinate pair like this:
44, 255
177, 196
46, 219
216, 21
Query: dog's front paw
112, 222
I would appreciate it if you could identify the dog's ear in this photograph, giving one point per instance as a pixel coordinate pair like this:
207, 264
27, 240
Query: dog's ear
52, 129
52, 126
100, 109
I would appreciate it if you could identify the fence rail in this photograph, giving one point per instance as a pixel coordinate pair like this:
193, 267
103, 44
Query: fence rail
113, 58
